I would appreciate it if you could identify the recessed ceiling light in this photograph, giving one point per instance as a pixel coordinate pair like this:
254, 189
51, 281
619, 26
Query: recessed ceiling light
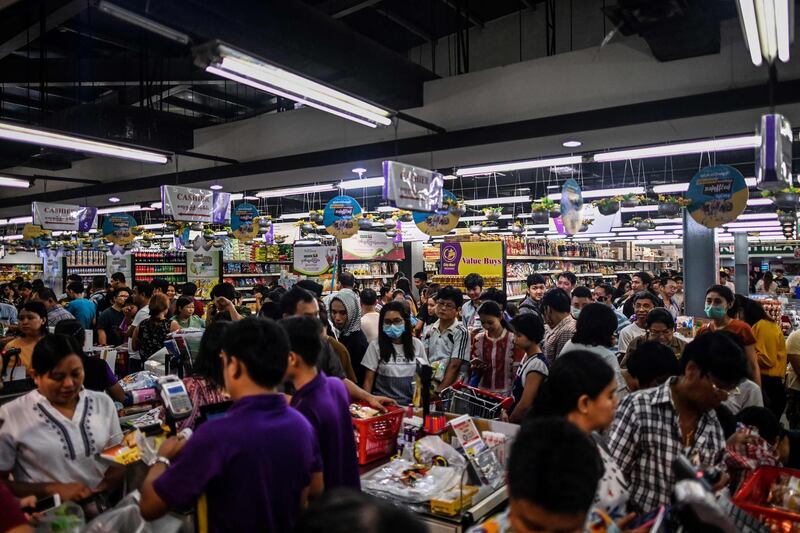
571, 143
250, 197
449, 177
113, 200
216, 187
359, 170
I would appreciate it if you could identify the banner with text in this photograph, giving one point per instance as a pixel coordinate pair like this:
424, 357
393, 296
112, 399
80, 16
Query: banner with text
314, 260
372, 245
119, 261
195, 205
412, 188
64, 217
462, 258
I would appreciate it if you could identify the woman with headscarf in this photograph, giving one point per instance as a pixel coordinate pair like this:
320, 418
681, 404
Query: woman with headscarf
345, 313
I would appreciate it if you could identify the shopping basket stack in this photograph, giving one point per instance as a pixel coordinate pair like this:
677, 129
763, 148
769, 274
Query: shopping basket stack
753, 497
465, 400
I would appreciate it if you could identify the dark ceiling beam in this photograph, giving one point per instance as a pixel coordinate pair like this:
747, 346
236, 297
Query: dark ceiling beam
470, 15
407, 24
727, 101
162, 95
58, 13
355, 8
223, 96
101, 38
197, 107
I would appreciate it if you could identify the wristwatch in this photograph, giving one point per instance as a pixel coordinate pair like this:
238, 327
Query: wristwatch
162, 459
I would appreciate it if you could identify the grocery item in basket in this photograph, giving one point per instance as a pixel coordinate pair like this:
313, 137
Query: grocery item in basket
363, 412
433, 450
406, 481
785, 493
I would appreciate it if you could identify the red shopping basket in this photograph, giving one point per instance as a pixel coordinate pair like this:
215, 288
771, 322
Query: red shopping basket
376, 437
752, 497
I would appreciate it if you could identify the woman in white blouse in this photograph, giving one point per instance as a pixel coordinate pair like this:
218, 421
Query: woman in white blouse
51, 437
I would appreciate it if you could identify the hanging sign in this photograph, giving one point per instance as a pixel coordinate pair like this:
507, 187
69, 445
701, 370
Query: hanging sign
117, 228
462, 258
718, 195
774, 155
118, 260
243, 222
410, 232
338, 216
195, 205
413, 188
440, 222
371, 245
314, 260
64, 217
571, 205
203, 266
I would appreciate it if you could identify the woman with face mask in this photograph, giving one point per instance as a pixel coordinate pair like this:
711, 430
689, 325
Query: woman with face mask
720, 300
390, 363
493, 352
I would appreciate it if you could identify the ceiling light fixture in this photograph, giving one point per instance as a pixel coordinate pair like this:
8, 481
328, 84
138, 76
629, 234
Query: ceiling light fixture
295, 191
156, 205
359, 170
504, 200
294, 216
216, 187
27, 134
683, 187
600, 193
519, 165
449, 177
118, 209
225, 61
571, 143
143, 22
250, 197
113, 200
692, 147
362, 183
768, 27
17, 183
759, 201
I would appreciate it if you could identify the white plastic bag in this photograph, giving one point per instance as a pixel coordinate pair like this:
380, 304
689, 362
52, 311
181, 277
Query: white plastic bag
123, 518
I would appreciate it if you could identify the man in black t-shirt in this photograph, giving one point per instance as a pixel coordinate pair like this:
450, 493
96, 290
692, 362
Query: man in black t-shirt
108, 332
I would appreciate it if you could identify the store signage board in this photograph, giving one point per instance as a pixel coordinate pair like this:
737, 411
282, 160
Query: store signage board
718, 195
202, 265
600, 223
64, 217
371, 245
462, 258
756, 249
774, 156
411, 233
571, 205
314, 260
117, 228
195, 205
339, 216
243, 222
413, 188
285, 232
119, 261
440, 222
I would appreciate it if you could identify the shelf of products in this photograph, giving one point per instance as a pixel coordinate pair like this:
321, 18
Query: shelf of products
168, 257
458, 281
86, 264
373, 270
167, 265
27, 271
236, 251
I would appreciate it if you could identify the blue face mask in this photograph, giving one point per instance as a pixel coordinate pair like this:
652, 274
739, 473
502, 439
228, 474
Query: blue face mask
394, 332
413, 321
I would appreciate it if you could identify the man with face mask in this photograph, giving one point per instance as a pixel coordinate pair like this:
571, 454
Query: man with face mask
581, 297
561, 325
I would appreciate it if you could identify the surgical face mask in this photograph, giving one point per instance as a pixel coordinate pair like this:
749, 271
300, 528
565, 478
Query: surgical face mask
574, 311
394, 332
714, 313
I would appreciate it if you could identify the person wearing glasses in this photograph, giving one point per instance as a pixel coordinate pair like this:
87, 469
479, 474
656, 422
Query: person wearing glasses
447, 341
654, 426
659, 327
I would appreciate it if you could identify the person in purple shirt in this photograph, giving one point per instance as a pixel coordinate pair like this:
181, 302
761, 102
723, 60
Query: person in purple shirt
323, 401
258, 464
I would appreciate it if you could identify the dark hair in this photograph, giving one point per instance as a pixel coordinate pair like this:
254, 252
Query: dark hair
75, 277
473, 280
130, 301
723, 291
39, 309
51, 350
492, 308
677, 278
662, 316
557, 299
596, 326
646, 278
534, 279
572, 278
144, 288
224, 290
118, 276
207, 363
45, 294
72, 328
764, 420
717, 354
75, 287
346, 510
368, 297
99, 282
383, 291
189, 289
608, 290
347, 279
582, 292
652, 362
158, 304
404, 285
724, 274
421, 276
304, 337
263, 291
271, 310
554, 465
160, 284
247, 340
572, 375
530, 325
451, 293
385, 344
182, 302
25, 285
311, 286
295, 296
752, 311
779, 271
495, 295
646, 295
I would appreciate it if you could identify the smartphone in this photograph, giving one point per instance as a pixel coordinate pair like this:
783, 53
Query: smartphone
45, 504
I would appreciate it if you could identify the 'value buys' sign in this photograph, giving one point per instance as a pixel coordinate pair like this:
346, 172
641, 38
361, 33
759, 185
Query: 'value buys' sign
462, 258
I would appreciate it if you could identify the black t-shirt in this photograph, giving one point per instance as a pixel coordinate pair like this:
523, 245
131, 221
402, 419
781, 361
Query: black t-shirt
97, 375
109, 321
794, 449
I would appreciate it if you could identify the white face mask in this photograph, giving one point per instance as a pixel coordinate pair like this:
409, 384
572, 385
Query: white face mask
574, 311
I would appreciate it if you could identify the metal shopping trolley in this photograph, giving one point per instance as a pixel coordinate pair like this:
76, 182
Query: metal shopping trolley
465, 400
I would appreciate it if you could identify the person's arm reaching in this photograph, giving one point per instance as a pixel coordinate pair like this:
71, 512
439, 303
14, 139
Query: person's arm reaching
450, 374
151, 505
67, 491
360, 395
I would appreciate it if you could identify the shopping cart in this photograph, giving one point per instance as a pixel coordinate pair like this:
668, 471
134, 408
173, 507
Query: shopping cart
465, 400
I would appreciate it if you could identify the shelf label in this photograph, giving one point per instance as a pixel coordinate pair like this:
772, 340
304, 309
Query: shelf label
462, 258
412, 188
372, 245
64, 217
314, 260
195, 205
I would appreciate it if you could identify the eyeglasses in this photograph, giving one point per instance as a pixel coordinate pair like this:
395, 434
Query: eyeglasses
446, 305
733, 391
662, 333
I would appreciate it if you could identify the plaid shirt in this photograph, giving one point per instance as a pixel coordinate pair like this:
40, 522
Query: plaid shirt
57, 314
557, 337
645, 439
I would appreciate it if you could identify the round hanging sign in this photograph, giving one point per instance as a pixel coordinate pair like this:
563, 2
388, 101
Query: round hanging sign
718, 195
117, 228
571, 205
243, 222
440, 222
338, 217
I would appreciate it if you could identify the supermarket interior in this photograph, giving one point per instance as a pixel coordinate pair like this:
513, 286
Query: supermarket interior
399, 265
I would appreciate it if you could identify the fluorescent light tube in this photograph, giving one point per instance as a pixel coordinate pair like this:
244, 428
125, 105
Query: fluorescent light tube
11, 237
683, 187
761, 224
225, 61
143, 22
294, 191
747, 16
601, 193
639, 209
294, 216
480, 218
783, 28
156, 205
519, 165
361, 184
6, 181
118, 209
758, 216
386, 209
42, 137
759, 201
21, 220
693, 147
497, 201
235, 197
153, 226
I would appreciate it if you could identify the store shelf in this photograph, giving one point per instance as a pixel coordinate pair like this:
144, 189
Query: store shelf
262, 275
376, 276
89, 275
574, 259
86, 266
142, 263
155, 274
281, 262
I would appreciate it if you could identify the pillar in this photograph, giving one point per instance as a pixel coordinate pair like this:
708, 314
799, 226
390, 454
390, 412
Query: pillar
741, 260
700, 264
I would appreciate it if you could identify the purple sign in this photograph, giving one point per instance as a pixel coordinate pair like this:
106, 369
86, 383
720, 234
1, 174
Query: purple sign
450, 258
88, 219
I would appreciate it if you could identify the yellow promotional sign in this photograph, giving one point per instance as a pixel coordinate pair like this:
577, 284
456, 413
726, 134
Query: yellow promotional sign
462, 258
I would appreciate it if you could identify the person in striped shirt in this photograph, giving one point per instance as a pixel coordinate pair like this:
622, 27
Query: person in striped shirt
447, 341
